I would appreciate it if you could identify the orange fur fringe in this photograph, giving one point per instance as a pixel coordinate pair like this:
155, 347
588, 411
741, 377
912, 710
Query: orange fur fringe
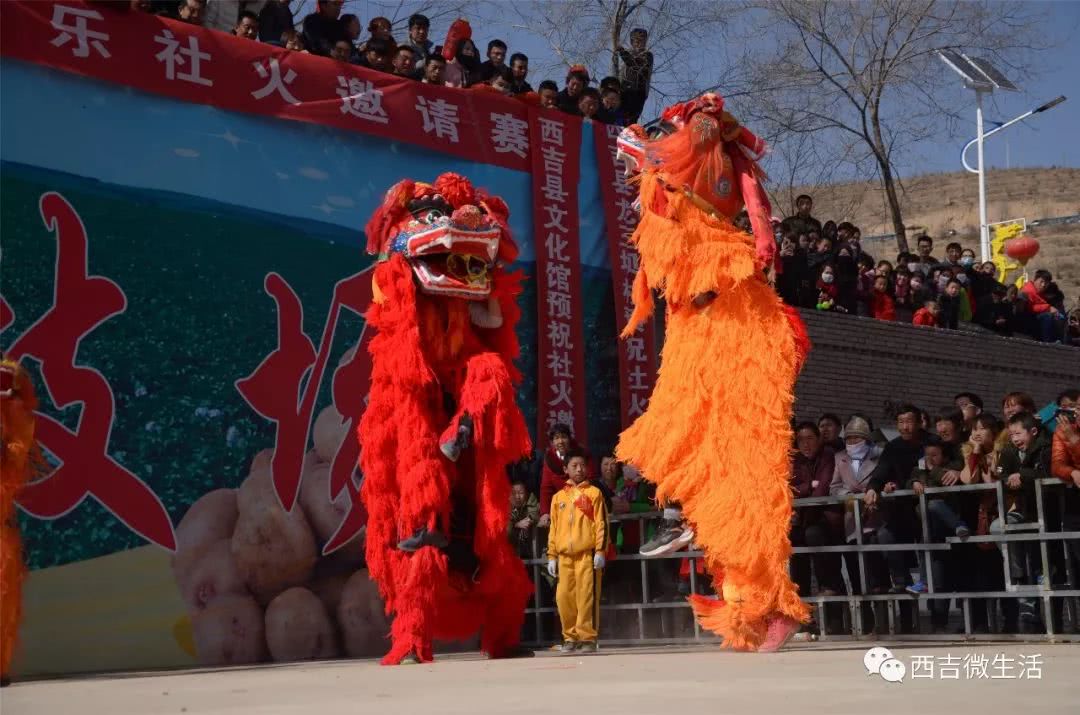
717, 436
19, 459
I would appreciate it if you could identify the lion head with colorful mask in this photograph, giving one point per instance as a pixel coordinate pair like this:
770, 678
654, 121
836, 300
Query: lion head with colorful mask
452, 235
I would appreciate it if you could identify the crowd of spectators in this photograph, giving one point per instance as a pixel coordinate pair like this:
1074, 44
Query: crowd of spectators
824, 266
454, 63
956, 445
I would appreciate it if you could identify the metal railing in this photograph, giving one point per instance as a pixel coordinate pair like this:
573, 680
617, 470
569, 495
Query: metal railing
852, 616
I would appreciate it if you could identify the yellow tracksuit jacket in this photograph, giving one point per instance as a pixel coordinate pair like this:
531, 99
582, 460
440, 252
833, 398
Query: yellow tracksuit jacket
579, 529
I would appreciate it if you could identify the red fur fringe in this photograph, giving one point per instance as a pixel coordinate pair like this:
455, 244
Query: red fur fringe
20, 459
408, 483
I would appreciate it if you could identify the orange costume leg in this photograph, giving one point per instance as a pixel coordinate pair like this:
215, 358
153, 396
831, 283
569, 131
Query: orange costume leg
716, 436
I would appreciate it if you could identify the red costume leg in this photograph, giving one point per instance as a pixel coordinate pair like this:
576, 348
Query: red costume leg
406, 486
499, 437
12, 572
414, 628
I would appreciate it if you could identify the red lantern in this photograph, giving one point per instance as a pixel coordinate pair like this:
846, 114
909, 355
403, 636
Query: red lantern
1021, 248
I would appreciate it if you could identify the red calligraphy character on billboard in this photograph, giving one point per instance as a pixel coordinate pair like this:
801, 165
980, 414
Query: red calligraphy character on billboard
277, 390
80, 304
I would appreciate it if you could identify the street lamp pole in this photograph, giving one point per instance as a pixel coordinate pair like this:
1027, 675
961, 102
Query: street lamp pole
980, 169
984, 233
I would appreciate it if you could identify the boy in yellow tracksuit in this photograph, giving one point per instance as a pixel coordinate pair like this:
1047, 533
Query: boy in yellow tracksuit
577, 540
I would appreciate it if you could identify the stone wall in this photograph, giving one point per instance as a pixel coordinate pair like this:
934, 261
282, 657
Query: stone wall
870, 366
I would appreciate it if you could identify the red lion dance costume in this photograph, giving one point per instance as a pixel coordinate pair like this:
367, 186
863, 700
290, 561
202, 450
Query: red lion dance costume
20, 458
441, 423
716, 436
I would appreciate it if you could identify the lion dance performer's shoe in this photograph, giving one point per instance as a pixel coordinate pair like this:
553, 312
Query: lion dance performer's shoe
780, 631
423, 537
716, 435
673, 536
453, 448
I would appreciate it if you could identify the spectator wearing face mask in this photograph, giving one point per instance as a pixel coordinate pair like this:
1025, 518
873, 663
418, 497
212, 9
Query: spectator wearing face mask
909, 261
920, 292
854, 468
827, 290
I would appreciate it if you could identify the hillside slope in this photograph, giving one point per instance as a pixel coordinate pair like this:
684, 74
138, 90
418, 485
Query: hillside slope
947, 207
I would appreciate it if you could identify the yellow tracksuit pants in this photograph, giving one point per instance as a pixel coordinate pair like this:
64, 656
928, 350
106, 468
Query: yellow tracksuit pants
578, 597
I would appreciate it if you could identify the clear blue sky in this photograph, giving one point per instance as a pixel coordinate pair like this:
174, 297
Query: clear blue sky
1048, 139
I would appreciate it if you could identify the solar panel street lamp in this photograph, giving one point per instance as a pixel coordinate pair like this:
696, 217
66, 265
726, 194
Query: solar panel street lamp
1041, 108
984, 78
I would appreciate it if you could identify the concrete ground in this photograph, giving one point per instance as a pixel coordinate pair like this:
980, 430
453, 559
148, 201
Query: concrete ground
807, 678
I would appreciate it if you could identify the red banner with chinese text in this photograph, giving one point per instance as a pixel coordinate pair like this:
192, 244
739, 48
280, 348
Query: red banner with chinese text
556, 139
637, 354
199, 65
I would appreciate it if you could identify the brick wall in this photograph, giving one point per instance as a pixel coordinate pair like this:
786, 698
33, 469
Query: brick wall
865, 365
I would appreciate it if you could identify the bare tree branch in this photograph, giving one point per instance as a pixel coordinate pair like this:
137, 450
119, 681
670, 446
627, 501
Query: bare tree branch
838, 72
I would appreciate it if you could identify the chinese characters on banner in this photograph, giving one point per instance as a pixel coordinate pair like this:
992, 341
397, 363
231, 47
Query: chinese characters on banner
556, 142
977, 666
637, 354
81, 302
279, 392
199, 65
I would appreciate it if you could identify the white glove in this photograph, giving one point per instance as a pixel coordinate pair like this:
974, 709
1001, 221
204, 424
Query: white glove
598, 561
553, 568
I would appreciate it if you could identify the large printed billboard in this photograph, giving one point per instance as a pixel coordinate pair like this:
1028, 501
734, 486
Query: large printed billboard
184, 278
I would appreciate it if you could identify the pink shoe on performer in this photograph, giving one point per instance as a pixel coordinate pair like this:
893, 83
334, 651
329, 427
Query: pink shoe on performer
781, 629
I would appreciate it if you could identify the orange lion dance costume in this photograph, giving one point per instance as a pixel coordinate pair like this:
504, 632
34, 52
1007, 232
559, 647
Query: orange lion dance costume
441, 423
716, 436
19, 460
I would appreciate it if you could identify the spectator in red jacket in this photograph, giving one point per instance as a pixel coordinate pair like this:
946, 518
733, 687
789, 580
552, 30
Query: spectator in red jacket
882, 306
1049, 321
927, 315
553, 471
